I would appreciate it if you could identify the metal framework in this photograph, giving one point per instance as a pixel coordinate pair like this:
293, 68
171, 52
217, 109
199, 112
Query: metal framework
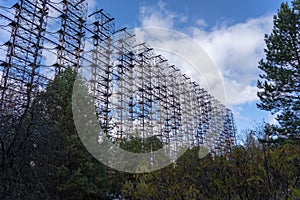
20, 78
137, 92
71, 34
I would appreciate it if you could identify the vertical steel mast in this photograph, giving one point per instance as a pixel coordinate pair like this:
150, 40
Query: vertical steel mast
20, 78
137, 92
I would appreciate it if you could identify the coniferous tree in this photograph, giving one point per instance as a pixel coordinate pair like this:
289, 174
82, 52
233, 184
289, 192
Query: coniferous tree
65, 169
279, 83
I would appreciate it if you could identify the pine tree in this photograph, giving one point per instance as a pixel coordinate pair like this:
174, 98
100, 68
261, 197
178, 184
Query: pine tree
66, 170
279, 83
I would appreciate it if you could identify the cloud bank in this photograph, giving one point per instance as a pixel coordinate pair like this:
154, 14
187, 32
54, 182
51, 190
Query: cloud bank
235, 49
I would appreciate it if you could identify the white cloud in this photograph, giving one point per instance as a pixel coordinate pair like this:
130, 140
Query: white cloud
49, 54
92, 5
159, 16
237, 112
201, 23
272, 119
235, 49
186, 54
156, 19
238, 93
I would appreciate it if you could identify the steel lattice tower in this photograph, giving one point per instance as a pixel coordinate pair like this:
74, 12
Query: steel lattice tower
71, 34
137, 92
20, 78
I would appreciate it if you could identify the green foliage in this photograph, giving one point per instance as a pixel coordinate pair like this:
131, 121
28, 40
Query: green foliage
139, 145
279, 85
42, 157
256, 173
52, 163
75, 173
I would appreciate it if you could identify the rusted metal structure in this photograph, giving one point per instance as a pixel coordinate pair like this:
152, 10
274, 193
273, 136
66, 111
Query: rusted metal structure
137, 92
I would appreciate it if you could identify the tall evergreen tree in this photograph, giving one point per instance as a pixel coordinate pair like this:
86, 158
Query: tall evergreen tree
66, 169
279, 83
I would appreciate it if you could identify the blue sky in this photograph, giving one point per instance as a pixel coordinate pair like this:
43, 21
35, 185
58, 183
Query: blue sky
213, 11
231, 32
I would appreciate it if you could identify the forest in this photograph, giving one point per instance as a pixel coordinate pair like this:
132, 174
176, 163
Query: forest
42, 156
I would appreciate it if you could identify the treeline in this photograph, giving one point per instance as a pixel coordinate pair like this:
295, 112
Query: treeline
42, 157
258, 172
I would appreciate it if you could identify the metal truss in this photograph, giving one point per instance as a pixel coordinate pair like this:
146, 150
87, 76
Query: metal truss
70, 46
137, 92
20, 79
